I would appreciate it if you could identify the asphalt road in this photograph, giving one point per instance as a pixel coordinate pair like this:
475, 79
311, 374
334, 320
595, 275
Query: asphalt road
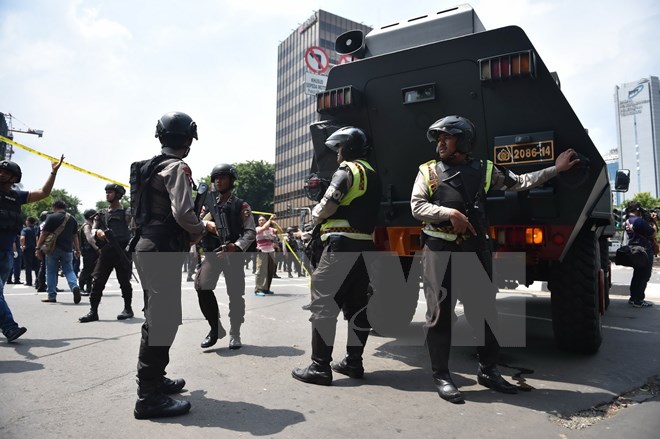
66, 379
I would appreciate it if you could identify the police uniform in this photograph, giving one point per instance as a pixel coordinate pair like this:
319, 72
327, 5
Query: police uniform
172, 226
348, 221
433, 199
242, 233
116, 220
90, 254
167, 224
11, 220
294, 248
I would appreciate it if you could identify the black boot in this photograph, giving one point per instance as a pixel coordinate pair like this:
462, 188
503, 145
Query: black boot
153, 403
490, 377
446, 388
438, 343
351, 364
127, 313
210, 339
92, 315
169, 387
319, 372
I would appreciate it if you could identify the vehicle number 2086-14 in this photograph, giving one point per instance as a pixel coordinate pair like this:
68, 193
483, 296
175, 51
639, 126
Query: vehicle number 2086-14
525, 153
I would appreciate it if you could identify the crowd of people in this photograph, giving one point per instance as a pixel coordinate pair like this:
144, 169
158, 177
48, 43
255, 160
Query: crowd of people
215, 233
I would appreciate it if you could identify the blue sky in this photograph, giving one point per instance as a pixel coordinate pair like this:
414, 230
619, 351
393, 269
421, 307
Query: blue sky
95, 75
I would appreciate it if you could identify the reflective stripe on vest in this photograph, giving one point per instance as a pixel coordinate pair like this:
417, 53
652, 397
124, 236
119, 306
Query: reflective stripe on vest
338, 226
359, 186
343, 228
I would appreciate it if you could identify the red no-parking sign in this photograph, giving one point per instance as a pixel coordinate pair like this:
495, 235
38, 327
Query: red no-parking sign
317, 59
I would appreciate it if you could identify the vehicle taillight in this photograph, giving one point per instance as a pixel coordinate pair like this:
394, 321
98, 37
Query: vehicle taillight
512, 65
515, 236
336, 99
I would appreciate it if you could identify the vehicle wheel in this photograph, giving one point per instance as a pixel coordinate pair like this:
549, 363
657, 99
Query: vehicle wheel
574, 287
391, 310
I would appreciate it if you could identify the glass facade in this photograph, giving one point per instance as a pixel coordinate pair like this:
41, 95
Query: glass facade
638, 130
297, 110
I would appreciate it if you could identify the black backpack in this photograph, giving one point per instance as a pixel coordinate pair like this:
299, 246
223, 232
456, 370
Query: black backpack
141, 174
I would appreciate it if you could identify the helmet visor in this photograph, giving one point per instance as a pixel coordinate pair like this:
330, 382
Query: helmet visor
335, 141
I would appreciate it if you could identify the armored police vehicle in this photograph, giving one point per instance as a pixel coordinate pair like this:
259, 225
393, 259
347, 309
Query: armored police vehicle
405, 76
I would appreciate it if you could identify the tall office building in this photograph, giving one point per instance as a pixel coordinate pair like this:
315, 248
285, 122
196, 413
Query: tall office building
612, 163
302, 61
638, 130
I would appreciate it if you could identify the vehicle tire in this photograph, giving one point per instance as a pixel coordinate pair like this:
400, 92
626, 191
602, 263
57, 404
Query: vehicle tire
391, 310
574, 283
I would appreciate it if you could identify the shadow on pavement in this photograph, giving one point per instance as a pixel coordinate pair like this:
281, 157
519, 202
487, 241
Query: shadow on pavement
24, 345
549, 375
260, 351
235, 415
19, 366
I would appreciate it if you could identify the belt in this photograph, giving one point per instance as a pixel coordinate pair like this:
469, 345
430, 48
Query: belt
446, 233
159, 228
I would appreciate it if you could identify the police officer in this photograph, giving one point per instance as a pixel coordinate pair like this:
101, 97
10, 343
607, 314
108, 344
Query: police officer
346, 211
221, 257
11, 220
450, 227
167, 224
291, 250
89, 251
40, 284
112, 232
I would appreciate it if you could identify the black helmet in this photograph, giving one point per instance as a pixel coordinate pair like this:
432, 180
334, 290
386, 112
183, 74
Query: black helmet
176, 123
13, 168
119, 190
352, 139
224, 169
89, 213
455, 125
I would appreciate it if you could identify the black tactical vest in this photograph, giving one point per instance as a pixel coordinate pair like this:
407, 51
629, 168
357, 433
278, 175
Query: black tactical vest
232, 211
461, 187
115, 220
11, 218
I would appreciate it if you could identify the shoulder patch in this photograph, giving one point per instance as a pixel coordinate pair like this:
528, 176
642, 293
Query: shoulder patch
245, 208
188, 172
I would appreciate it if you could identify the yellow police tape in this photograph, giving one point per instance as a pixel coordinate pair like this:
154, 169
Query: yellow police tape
54, 159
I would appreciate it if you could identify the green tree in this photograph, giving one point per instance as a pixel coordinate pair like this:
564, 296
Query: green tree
645, 199
102, 204
72, 203
255, 184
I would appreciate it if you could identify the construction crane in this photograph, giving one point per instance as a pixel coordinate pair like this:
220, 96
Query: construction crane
7, 129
